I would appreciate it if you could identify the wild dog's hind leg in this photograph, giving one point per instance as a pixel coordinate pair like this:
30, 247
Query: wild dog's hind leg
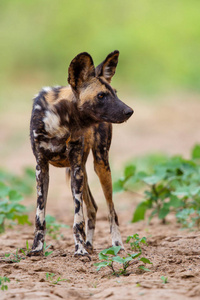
102, 168
42, 178
91, 208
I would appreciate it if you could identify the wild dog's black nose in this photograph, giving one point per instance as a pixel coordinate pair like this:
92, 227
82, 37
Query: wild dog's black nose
128, 112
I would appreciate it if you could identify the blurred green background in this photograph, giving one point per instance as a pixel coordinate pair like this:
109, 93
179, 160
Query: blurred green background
158, 40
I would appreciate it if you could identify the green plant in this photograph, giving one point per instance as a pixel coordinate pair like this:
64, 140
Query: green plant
173, 185
164, 279
53, 227
3, 280
50, 278
109, 257
135, 241
23, 184
25, 251
11, 187
14, 257
46, 253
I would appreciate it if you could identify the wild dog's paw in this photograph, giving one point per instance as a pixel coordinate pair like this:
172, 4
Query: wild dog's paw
37, 248
35, 253
81, 251
89, 247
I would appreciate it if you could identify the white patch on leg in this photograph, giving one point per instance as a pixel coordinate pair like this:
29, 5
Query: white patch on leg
37, 172
89, 235
40, 214
39, 247
116, 236
78, 197
78, 218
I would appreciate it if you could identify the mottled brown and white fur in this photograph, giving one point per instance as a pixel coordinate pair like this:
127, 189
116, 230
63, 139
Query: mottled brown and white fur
66, 123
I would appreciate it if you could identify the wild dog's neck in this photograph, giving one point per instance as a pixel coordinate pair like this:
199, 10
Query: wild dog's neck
79, 120
71, 117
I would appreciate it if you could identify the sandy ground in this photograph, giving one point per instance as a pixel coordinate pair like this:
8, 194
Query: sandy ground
169, 125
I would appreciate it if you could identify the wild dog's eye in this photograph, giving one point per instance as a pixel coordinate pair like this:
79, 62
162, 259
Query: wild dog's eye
101, 95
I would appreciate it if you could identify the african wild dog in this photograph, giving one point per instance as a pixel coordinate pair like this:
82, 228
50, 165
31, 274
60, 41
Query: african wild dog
66, 123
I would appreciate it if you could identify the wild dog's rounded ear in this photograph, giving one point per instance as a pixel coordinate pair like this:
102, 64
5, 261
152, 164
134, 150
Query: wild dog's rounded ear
108, 66
81, 69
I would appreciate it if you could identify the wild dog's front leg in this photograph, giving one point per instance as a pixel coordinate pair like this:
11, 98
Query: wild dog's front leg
42, 178
102, 169
77, 181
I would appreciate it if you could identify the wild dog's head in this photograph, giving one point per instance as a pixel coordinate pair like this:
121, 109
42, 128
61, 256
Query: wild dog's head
96, 99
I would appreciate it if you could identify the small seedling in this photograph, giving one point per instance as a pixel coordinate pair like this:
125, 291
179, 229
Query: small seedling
164, 279
3, 280
14, 257
25, 251
135, 241
109, 257
50, 278
47, 253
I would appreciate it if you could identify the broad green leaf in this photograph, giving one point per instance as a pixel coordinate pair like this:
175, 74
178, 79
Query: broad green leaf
143, 240
128, 258
129, 171
2, 218
187, 190
175, 201
118, 186
145, 260
196, 152
139, 212
163, 212
144, 268
151, 180
4, 189
10, 216
101, 264
22, 219
15, 196
128, 239
103, 256
118, 259
134, 255
113, 250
